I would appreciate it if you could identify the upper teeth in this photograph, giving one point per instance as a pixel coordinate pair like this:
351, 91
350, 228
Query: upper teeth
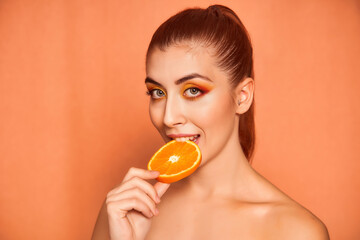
183, 139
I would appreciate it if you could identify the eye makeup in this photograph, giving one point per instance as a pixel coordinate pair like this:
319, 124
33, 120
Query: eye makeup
154, 90
190, 91
202, 88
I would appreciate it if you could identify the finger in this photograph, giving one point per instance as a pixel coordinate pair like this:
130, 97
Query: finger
139, 183
119, 209
161, 188
137, 194
141, 173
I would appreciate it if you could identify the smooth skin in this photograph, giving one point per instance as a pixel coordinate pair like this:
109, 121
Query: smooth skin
129, 208
225, 198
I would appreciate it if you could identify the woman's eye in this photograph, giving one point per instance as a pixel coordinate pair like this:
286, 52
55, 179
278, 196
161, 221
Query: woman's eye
193, 92
156, 93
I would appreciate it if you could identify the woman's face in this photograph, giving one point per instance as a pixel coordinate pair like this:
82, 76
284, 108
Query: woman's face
191, 96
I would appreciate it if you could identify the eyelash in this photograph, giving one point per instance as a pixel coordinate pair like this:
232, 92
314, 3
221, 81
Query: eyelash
190, 98
198, 91
151, 91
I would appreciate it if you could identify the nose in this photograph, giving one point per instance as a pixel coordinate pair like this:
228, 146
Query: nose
174, 114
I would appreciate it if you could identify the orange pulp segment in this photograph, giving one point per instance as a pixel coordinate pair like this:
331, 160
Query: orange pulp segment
175, 160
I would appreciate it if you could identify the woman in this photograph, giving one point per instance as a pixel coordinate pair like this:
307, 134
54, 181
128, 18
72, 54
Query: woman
200, 80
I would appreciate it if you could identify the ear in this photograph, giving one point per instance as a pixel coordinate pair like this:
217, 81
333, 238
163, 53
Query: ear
244, 93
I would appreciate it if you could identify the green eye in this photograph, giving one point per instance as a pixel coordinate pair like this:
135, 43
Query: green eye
160, 92
156, 93
193, 91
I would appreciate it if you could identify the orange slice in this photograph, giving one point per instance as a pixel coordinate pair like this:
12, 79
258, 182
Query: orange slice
175, 160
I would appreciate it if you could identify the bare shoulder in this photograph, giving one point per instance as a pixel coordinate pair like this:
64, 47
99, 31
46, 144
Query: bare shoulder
284, 218
289, 220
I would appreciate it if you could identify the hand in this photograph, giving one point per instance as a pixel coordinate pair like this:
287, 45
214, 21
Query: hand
131, 205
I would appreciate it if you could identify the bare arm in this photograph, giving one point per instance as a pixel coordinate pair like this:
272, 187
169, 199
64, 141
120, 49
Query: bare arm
101, 229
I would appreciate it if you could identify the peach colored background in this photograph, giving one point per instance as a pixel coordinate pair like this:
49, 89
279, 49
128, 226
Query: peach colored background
74, 114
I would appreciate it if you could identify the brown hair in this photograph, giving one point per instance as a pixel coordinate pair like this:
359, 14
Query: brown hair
220, 28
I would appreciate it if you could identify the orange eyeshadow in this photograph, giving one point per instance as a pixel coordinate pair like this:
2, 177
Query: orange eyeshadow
205, 88
150, 87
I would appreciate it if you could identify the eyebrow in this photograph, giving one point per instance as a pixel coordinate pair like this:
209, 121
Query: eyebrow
181, 80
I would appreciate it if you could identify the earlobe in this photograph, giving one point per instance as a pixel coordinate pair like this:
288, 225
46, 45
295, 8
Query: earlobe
244, 94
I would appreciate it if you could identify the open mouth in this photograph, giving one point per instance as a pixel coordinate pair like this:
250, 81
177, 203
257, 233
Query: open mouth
194, 138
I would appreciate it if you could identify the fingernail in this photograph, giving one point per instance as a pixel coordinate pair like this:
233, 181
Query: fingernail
158, 199
156, 211
155, 172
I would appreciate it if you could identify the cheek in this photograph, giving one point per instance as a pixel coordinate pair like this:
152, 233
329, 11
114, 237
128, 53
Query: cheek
216, 119
214, 112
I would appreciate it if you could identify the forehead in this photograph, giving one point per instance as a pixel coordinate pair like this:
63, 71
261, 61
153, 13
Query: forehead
179, 60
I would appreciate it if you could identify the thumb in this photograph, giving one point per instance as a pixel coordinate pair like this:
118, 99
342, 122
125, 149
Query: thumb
161, 188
